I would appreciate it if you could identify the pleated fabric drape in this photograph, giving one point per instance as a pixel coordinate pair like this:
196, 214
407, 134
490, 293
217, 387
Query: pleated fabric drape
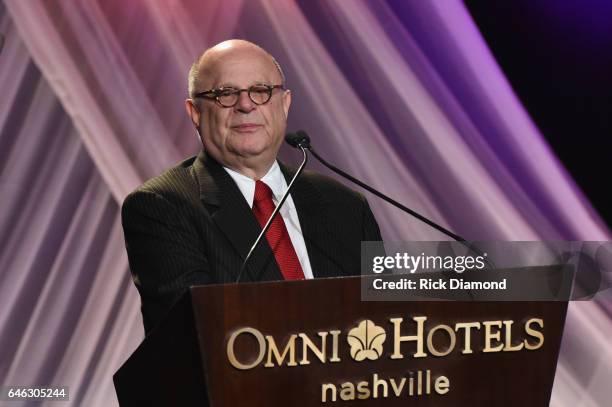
404, 95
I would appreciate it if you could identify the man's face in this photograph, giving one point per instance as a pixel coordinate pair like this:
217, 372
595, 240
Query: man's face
246, 134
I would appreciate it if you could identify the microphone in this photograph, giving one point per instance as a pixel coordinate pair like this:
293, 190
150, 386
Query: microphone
298, 140
280, 204
302, 140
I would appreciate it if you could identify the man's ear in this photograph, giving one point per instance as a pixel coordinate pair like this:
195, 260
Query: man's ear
286, 102
193, 112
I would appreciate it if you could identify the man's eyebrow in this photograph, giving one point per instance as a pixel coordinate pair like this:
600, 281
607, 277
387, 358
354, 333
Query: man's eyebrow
225, 85
230, 85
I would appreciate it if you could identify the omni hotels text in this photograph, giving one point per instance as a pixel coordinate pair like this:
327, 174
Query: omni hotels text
394, 339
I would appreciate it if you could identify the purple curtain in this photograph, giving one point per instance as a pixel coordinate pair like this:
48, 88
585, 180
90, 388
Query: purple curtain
404, 94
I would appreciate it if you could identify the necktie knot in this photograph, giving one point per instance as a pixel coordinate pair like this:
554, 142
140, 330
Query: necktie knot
262, 192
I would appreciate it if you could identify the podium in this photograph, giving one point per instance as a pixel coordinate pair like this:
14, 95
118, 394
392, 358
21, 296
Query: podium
315, 343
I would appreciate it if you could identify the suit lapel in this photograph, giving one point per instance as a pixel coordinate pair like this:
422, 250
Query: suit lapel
233, 216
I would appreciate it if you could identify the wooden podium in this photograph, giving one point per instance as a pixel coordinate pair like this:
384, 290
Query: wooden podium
315, 343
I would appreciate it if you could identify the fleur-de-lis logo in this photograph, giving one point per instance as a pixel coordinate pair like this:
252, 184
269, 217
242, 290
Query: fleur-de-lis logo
366, 341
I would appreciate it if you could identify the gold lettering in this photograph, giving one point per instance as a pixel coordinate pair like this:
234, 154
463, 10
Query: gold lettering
231, 356
397, 389
451, 335
489, 336
534, 333
467, 343
334, 335
398, 338
508, 343
411, 385
363, 390
441, 385
324, 388
377, 382
307, 344
273, 350
348, 391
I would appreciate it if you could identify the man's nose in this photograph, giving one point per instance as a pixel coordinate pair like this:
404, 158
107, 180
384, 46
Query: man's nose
245, 104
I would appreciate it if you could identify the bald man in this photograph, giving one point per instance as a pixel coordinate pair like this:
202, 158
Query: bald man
195, 223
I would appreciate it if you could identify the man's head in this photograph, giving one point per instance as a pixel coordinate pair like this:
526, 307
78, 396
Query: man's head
247, 136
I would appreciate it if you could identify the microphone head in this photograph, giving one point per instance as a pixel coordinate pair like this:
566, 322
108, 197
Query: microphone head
298, 139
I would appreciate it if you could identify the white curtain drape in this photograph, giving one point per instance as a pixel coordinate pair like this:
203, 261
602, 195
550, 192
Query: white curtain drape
404, 95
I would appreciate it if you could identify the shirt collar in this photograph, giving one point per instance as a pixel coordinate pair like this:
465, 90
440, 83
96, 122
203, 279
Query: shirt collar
274, 179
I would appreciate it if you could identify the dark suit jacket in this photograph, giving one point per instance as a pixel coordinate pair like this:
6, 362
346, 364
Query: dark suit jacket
191, 225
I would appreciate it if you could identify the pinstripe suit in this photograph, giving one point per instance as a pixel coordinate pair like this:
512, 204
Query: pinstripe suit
191, 225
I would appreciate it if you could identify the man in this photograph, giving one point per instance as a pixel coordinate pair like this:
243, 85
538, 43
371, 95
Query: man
195, 223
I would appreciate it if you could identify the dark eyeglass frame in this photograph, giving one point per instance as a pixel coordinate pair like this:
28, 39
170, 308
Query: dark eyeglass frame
214, 94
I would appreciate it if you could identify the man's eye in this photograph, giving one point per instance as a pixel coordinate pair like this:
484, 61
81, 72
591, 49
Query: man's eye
259, 89
226, 92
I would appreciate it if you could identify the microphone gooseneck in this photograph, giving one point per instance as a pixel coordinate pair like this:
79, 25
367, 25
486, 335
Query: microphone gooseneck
276, 210
302, 140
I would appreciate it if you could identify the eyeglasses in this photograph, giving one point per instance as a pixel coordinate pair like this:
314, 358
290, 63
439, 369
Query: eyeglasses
228, 97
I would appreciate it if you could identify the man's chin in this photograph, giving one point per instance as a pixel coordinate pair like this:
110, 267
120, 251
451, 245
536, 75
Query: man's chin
251, 147
250, 152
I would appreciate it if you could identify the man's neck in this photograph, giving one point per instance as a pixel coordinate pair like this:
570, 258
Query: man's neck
253, 172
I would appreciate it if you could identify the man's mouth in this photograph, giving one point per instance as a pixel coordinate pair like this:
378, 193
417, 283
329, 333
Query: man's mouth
246, 127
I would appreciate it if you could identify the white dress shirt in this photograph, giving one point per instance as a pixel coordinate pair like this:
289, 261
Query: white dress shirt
276, 181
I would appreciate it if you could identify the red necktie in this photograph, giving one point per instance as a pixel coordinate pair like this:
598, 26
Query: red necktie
277, 235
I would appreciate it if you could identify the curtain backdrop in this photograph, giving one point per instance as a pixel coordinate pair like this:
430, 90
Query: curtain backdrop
403, 94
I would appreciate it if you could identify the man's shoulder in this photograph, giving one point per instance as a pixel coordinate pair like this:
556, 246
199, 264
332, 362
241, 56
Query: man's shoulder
177, 182
331, 189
